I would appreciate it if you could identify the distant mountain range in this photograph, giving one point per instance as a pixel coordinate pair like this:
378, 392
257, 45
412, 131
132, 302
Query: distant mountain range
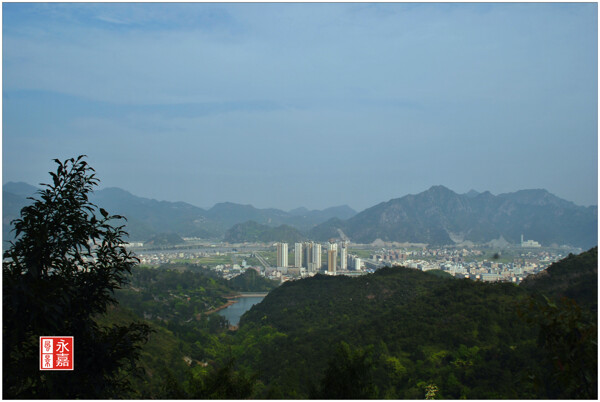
251, 231
437, 216
147, 218
440, 216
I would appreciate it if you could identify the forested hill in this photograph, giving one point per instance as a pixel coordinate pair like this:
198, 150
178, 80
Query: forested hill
575, 277
400, 332
255, 232
251, 281
417, 326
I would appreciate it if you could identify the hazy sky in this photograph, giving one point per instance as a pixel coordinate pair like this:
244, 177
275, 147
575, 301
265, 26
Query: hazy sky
314, 105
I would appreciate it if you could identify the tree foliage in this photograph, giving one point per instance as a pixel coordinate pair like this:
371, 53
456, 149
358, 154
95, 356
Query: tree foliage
568, 335
575, 277
349, 375
59, 273
251, 281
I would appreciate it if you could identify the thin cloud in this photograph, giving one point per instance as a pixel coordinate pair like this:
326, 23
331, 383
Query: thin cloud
398, 96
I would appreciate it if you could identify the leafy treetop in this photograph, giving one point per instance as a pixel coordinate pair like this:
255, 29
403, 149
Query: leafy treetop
58, 274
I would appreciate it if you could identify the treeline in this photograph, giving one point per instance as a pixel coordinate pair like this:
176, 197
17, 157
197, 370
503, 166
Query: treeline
400, 330
186, 354
396, 334
251, 281
183, 292
179, 299
403, 333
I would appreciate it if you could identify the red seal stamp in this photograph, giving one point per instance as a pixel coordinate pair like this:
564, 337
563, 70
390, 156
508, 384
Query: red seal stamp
56, 352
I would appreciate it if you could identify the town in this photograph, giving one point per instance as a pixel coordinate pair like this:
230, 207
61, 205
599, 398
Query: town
274, 261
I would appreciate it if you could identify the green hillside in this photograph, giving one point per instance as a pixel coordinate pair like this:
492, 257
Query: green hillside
401, 333
575, 277
254, 232
251, 281
163, 353
396, 334
418, 328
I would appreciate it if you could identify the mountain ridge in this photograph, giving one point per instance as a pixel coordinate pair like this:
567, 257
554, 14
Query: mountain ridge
251, 231
149, 217
437, 216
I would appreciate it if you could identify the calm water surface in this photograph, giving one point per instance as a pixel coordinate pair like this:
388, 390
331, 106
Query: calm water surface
236, 310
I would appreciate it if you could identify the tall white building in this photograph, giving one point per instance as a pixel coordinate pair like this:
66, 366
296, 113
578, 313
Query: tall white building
344, 256
316, 257
357, 264
282, 254
332, 257
298, 255
307, 253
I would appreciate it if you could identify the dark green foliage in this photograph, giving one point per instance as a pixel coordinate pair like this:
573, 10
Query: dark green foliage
251, 281
223, 383
464, 337
178, 300
165, 357
162, 354
461, 338
396, 334
349, 375
14, 198
568, 336
575, 277
254, 232
61, 271
173, 295
439, 273
171, 388
564, 308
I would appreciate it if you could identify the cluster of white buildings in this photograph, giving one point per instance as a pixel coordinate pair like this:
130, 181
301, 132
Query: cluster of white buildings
308, 257
529, 243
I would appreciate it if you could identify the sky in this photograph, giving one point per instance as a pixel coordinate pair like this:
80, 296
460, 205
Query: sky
290, 105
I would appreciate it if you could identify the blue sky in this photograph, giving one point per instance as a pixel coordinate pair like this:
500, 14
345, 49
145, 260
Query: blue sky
314, 105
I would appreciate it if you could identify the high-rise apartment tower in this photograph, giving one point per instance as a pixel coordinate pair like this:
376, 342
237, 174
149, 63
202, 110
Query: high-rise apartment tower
316, 257
307, 256
344, 256
332, 257
298, 255
282, 254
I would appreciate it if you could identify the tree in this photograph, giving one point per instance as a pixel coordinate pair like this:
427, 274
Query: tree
568, 338
349, 375
223, 383
59, 273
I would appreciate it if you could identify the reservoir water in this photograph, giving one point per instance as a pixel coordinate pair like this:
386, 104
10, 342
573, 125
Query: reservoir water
234, 312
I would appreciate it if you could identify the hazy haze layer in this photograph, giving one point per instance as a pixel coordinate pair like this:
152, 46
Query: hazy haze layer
313, 105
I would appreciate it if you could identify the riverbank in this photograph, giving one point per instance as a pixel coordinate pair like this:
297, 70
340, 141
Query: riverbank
252, 294
230, 301
214, 310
